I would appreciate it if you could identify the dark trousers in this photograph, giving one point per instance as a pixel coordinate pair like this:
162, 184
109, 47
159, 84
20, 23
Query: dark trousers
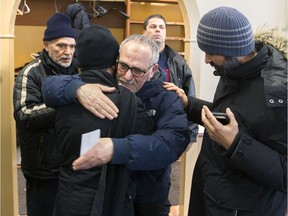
151, 209
40, 196
159, 208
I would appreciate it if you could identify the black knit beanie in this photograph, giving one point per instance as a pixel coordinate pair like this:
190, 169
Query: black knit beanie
97, 48
225, 31
59, 25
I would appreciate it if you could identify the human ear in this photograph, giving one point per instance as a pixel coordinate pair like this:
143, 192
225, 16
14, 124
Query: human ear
154, 69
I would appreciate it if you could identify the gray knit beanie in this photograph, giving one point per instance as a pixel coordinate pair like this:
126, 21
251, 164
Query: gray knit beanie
225, 31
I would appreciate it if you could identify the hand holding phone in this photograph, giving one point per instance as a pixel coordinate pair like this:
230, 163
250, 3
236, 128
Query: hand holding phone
221, 117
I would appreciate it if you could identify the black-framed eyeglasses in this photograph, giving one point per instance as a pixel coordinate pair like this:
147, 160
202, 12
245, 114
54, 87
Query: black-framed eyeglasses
137, 72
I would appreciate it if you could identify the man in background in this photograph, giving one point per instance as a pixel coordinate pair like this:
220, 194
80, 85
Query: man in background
176, 69
40, 158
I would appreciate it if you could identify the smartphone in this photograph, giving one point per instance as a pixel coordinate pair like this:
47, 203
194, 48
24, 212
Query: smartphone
221, 117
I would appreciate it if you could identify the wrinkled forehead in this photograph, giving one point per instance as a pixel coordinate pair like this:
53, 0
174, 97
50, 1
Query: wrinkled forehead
63, 40
136, 48
136, 53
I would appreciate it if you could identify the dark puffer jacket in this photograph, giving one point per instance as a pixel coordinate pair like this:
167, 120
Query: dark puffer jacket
250, 178
79, 189
34, 121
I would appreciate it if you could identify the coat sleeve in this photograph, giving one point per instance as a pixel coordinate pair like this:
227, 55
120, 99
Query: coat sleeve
189, 88
29, 108
194, 108
60, 90
163, 147
179, 65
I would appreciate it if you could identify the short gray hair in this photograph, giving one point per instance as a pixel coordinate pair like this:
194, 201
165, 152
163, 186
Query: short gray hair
146, 41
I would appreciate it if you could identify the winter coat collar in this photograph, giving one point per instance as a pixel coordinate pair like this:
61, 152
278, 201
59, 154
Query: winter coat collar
102, 77
150, 89
270, 64
171, 54
275, 78
252, 68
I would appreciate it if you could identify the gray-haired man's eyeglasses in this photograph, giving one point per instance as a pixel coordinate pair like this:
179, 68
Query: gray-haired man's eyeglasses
137, 72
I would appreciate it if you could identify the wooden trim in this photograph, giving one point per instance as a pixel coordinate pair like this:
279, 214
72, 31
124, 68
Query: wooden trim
167, 23
158, 1
175, 38
128, 21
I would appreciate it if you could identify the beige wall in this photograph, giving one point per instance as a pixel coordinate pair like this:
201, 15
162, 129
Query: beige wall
8, 199
28, 39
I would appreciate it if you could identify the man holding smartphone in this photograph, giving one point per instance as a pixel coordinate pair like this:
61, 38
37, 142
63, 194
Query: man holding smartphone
242, 166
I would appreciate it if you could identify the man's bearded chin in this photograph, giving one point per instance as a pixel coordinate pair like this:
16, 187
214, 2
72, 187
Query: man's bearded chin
218, 70
229, 65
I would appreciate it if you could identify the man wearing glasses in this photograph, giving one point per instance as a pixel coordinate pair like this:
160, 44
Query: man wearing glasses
135, 72
136, 65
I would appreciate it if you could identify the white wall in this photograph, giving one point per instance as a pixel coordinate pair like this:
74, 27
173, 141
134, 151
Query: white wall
272, 13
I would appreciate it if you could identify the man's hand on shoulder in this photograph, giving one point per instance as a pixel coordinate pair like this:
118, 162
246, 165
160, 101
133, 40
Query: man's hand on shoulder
92, 98
180, 92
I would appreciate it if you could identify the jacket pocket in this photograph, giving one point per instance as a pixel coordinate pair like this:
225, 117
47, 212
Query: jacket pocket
231, 196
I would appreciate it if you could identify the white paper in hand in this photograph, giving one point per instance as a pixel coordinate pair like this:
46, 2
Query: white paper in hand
88, 140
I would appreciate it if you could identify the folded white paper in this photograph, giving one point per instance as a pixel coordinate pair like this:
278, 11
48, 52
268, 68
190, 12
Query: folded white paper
88, 140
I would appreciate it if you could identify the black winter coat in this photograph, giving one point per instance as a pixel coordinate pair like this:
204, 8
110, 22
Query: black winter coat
114, 195
34, 121
250, 178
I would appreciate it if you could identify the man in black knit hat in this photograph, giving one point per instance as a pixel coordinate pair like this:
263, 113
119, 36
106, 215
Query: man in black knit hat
78, 190
35, 122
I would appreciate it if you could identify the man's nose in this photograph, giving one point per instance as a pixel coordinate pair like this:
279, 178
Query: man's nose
69, 50
128, 74
207, 58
